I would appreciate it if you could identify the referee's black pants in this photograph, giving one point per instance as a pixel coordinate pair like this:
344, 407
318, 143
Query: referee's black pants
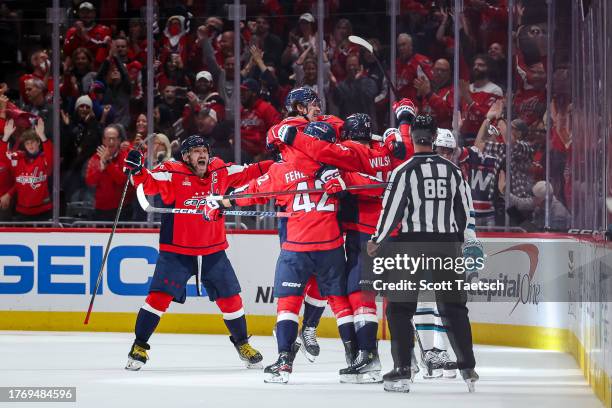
452, 307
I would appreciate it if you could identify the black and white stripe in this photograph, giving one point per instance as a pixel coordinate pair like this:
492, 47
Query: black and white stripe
426, 194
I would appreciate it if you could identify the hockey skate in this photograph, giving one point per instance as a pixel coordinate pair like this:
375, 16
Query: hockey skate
349, 352
137, 357
307, 339
364, 370
398, 380
280, 370
275, 375
470, 377
449, 367
432, 364
247, 353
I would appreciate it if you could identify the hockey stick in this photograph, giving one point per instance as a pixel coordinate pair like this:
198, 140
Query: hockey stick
292, 192
147, 207
110, 239
416, 332
363, 43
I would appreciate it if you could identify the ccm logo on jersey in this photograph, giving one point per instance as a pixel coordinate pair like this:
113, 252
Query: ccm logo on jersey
291, 284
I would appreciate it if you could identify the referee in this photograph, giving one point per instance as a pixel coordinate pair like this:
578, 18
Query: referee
429, 199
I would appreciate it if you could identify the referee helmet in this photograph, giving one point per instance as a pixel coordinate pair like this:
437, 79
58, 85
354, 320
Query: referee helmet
423, 130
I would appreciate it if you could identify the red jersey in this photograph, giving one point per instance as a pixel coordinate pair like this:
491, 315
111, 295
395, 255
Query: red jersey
440, 105
353, 156
529, 105
254, 123
407, 72
315, 226
95, 43
179, 187
361, 211
475, 113
31, 177
300, 123
7, 181
109, 182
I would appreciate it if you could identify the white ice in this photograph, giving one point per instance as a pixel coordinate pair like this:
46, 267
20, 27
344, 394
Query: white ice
204, 371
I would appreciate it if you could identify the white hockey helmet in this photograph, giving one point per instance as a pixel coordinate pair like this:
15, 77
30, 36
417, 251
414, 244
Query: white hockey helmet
445, 138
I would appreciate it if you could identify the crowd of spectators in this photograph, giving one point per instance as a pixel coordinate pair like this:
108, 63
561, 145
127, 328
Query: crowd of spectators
103, 87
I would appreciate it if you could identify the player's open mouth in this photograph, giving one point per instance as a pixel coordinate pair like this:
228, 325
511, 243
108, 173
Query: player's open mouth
202, 162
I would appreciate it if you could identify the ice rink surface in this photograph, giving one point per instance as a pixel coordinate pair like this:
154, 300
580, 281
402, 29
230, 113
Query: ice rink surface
204, 371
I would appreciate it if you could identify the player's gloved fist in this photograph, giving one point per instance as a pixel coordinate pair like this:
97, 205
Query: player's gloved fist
212, 210
331, 179
392, 138
405, 111
287, 134
133, 162
472, 249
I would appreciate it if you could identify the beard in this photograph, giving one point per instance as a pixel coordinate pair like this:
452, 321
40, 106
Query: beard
477, 75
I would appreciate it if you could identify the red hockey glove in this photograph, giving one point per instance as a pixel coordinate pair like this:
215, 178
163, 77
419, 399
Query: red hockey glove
331, 179
405, 111
392, 139
212, 210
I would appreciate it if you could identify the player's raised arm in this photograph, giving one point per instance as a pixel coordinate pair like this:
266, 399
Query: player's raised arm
262, 184
157, 181
239, 175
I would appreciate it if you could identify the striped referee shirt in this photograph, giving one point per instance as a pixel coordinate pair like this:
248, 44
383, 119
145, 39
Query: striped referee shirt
426, 194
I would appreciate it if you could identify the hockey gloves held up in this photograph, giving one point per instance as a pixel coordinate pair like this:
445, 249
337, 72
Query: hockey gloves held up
392, 139
405, 111
212, 210
331, 179
133, 162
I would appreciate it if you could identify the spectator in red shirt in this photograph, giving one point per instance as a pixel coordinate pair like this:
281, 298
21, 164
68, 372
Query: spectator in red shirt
340, 48
409, 67
477, 98
105, 174
256, 117
529, 102
31, 169
137, 43
86, 33
41, 69
7, 180
436, 96
175, 39
173, 73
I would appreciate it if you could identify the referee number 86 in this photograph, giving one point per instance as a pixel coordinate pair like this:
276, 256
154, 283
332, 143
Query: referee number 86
435, 188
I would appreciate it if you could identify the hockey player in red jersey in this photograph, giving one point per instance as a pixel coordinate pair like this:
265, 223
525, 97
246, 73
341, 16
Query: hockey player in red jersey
359, 214
183, 238
303, 106
396, 147
311, 244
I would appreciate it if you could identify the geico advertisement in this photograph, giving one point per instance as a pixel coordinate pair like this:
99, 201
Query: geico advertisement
58, 271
